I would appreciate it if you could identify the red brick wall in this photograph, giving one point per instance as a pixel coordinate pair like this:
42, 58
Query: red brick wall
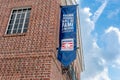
26, 68
42, 26
30, 56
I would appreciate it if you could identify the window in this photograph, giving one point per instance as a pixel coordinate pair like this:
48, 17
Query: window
19, 21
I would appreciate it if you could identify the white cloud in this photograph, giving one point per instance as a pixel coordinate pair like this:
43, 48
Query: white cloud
87, 26
117, 63
114, 13
94, 64
87, 11
111, 44
95, 45
98, 13
77, 1
115, 30
97, 58
102, 62
85, 18
103, 75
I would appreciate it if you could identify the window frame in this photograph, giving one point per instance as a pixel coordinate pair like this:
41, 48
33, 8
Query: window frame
25, 16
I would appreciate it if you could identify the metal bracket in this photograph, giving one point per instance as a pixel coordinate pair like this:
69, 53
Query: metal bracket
65, 69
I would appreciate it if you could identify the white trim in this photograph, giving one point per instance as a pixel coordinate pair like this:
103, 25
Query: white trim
19, 21
68, 2
21, 8
13, 22
8, 21
80, 40
24, 22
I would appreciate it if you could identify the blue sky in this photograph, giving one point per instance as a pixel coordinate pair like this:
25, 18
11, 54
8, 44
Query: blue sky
100, 28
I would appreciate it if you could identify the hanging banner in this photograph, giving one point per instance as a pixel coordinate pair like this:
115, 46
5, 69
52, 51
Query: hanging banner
67, 37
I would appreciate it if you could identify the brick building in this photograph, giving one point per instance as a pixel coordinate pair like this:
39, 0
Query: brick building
29, 32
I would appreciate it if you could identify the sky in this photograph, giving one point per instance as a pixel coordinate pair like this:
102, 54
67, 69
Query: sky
100, 30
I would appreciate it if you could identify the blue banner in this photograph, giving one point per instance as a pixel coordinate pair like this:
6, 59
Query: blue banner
67, 38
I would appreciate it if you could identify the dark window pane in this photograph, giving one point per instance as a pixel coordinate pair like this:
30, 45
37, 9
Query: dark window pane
19, 31
17, 21
15, 26
14, 11
23, 14
14, 31
11, 21
29, 9
25, 30
26, 25
28, 14
8, 31
10, 26
13, 16
20, 26
20, 10
26, 20
24, 10
21, 21
18, 15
